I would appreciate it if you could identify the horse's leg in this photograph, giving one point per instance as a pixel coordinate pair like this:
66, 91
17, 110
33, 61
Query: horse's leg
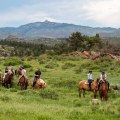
80, 92
83, 93
7, 85
26, 84
105, 96
101, 95
95, 93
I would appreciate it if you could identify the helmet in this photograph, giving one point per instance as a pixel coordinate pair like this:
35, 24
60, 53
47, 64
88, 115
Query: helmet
103, 72
90, 71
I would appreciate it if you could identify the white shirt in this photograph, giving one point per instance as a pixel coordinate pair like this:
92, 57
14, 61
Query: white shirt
89, 76
103, 77
23, 72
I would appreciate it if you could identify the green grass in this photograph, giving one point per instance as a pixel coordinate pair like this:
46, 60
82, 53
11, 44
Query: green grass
60, 100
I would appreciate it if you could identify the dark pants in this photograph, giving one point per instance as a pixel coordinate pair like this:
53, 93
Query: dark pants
35, 80
89, 81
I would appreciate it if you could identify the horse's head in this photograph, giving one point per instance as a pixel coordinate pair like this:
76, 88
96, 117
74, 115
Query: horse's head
96, 81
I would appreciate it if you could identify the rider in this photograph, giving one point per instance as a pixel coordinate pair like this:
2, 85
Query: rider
103, 77
20, 69
11, 68
37, 75
90, 78
6, 72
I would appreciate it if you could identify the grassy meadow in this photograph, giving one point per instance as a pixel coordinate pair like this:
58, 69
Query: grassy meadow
60, 100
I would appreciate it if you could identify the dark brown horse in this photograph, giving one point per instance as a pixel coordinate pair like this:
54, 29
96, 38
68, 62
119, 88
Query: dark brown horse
7, 82
84, 86
23, 82
103, 90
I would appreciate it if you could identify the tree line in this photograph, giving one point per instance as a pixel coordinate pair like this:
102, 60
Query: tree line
75, 42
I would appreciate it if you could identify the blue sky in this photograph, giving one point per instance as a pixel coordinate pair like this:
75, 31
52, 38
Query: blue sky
95, 13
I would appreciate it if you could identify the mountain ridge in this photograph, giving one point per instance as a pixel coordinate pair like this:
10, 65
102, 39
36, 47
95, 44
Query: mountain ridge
49, 29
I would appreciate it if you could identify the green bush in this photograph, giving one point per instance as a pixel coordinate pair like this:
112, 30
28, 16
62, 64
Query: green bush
27, 65
12, 61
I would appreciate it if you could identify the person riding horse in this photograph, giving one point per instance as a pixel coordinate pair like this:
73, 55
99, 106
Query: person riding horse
103, 77
5, 73
36, 76
23, 81
90, 78
10, 67
7, 78
20, 69
23, 73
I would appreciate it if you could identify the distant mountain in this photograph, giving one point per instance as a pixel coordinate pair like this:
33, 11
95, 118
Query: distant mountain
49, 29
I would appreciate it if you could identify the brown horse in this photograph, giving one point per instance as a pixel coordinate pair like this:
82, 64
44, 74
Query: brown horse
8, 79
23, 82
83, 86
40, 84
103, 90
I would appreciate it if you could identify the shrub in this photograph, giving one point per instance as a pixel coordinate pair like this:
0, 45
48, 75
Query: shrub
27, 65
12, 61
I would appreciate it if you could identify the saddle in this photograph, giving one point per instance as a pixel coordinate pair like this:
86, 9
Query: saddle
86, 83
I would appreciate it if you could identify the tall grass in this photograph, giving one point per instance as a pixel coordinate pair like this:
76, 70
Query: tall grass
60, 100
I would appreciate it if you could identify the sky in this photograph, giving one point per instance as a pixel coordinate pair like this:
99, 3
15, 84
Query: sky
94, 13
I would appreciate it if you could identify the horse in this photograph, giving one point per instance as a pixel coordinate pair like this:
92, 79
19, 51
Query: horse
8, 79
40, 84
84, 86
23, 82
103, 90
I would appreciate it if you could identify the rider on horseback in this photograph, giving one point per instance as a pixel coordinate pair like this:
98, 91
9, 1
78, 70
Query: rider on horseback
103, 77
23, 72
36, 76
11, 68
20, 69
6, 72
90, 78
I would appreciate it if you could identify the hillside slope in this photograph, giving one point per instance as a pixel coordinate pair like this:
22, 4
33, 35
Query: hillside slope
50, 30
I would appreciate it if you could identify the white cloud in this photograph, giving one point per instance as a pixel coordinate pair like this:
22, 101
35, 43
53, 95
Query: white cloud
84, 12
104, 12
